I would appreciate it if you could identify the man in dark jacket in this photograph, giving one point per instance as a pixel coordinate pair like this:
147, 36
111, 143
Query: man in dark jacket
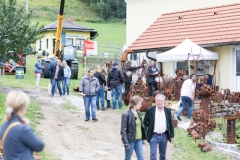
127, 72
57, 75
152, 72
88, 88
102, 82
115, 80
158, 123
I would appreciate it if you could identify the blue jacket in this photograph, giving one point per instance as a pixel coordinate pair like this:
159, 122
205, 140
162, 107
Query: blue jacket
38, 67
20, 142
67, 71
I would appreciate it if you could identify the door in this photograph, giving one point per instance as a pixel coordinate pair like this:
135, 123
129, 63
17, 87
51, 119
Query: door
238, 70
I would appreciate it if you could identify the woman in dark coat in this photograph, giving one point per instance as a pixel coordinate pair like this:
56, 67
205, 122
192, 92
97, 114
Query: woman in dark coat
132, 129
57, 76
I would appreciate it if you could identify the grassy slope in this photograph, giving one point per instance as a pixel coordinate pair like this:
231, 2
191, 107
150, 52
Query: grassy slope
46, 12
49, 9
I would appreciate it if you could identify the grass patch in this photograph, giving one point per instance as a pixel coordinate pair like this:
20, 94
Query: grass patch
69, 107
187, 149
85, 129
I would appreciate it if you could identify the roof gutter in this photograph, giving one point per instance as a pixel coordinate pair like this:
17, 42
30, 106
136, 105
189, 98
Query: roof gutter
203, 45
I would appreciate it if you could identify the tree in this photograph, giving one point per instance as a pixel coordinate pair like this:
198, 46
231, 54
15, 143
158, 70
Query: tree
16, 31
108, 8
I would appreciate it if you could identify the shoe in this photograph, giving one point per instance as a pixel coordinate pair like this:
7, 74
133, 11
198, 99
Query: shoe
113, 108
108, 107
95, 119
98, 108
103, 109
86, 119
178, 117
68, 94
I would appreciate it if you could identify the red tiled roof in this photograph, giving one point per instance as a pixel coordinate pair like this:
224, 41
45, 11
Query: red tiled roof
215, 25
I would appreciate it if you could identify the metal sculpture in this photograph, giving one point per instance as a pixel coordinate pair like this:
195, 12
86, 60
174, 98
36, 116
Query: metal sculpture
202, 123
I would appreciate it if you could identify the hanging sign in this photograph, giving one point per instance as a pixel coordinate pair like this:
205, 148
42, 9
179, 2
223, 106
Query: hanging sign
90, 47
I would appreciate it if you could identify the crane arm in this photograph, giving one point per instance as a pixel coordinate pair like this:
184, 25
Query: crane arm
59, 30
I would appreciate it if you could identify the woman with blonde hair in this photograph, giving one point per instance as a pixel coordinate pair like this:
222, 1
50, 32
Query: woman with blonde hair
132, 129
67, 75
102, 82
17, 137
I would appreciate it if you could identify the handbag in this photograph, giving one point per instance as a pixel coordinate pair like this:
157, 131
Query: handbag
5, 134
108, 95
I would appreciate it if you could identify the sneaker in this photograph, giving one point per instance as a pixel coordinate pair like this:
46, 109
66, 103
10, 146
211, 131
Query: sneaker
95, 119
108, 107
86, 119
98, 108
103, 109
178, 117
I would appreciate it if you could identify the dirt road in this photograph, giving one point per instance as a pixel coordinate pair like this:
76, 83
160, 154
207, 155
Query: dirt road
68, 137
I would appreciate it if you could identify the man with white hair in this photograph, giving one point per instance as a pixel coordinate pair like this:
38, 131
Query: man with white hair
187, 96
158, 124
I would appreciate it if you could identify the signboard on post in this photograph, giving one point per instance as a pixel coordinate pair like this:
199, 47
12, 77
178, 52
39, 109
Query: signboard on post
90, 47
63, 38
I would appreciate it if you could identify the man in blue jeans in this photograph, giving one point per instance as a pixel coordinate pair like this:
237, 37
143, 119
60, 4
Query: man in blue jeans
88, 88
187, 96
159, 127
115, 80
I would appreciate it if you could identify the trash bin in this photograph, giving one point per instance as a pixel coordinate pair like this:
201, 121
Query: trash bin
19, 72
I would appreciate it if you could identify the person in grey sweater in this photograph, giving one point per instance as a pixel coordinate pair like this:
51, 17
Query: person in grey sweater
88, 88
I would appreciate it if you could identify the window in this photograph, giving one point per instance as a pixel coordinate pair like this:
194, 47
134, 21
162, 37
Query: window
69, 42
181, 66
79, 44
47, 43
238, 62
133, 56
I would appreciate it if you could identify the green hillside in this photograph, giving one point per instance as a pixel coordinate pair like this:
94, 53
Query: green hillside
46, 12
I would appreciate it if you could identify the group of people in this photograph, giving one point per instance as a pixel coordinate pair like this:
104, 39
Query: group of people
156, 128
93, 85
60, 74
92, 88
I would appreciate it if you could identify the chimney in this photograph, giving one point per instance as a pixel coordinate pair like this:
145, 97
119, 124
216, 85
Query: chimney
71, 19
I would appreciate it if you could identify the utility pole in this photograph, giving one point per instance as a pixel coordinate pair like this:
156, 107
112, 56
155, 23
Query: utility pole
27, 6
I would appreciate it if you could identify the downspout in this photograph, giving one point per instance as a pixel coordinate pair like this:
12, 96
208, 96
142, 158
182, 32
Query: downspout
153, 59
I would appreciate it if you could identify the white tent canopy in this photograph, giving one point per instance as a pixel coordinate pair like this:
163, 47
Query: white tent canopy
180, 53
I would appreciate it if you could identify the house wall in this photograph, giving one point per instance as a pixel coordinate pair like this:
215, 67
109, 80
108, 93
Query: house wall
142, 13
224, 66
50, 35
